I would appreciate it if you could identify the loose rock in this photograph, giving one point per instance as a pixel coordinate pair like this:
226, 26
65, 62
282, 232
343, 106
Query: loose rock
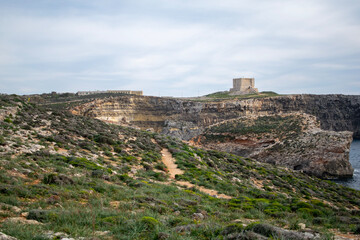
198, 216
163, 236
22, 220
3, 236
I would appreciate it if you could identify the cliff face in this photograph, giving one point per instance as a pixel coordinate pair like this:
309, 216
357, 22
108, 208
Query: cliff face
293, 140
160, 114
335, 112
316, 152
187, 119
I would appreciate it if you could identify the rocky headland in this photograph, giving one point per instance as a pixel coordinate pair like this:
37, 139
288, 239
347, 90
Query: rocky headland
294, 140
322, 151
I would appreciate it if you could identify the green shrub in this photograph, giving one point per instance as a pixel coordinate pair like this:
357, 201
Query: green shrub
8, 120
150, 222
300, 204
114, 220
160, 166
98, 173
233, 228
128, 158
2, 141
54, 178
83, 162
357, 230
310, 212
151, 157
42, 215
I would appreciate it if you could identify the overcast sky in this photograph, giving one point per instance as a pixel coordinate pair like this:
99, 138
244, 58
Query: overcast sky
179, 47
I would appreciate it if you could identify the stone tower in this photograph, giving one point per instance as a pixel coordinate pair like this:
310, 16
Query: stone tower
243, 86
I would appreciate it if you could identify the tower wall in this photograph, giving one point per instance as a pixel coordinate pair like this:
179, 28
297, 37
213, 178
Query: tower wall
243, 86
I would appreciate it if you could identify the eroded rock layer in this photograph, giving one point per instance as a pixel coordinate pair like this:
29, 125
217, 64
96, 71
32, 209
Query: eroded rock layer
292, 140
315, 151
186, 119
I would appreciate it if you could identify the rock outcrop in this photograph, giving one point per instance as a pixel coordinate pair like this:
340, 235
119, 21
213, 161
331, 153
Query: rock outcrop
291, 140
3, 236
7, 111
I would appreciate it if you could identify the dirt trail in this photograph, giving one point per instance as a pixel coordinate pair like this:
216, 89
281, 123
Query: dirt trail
169, 162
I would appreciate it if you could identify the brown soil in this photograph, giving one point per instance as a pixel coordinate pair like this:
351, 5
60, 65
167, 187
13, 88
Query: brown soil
344, 236
169, 162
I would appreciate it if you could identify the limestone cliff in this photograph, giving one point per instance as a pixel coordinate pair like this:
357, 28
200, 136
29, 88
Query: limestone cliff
188, 119
293, 140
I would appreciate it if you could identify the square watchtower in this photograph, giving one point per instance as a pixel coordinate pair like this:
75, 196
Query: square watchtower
243, 86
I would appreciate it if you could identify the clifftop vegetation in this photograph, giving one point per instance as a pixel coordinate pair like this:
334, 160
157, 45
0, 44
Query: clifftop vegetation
65, 175
226, 95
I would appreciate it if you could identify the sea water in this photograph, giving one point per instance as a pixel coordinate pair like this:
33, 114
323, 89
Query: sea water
353, 182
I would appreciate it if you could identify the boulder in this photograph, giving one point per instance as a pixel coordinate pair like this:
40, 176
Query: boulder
3, 236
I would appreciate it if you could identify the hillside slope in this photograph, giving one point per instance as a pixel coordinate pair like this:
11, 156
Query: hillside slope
66, 175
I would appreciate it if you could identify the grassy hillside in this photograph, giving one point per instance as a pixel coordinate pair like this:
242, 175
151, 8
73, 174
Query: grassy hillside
80, 177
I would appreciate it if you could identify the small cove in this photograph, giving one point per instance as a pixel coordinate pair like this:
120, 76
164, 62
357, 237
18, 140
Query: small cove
353, 182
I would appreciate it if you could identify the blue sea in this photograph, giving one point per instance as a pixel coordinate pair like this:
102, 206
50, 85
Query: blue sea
355, 162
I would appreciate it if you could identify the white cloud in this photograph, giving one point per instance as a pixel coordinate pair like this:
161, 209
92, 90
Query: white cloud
167, 45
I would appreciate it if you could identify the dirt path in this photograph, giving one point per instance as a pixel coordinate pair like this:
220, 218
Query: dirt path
169, 162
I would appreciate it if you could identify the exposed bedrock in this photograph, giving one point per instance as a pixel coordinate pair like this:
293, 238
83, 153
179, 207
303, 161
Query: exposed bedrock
293, 140
188, 119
